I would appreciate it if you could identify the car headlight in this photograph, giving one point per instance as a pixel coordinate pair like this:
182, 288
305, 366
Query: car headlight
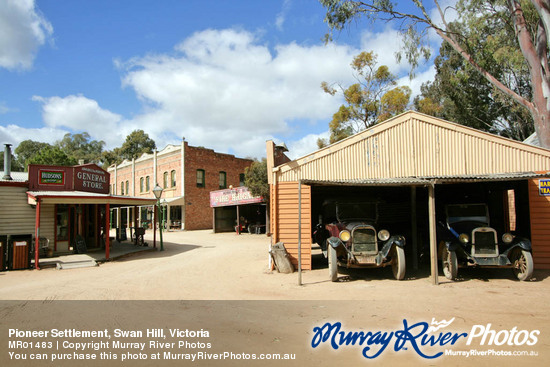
383, 235
507, 238
464, 238
345, 236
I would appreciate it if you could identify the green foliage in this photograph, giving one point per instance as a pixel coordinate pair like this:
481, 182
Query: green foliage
79, 146
504, 42
52, 155
109, 157
460, 93
137, 143
372, 99
256, 179
28, 149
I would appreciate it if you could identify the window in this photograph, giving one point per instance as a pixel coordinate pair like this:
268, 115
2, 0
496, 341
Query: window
147, 184
127, 188
165, 180
223, 180
173, 178
200, 178
241, 179
141, 185
122, 188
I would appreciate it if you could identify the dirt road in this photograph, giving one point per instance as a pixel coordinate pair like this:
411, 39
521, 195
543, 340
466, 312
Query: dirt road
200, 265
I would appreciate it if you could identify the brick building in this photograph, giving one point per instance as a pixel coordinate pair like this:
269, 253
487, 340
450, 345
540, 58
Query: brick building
187, 206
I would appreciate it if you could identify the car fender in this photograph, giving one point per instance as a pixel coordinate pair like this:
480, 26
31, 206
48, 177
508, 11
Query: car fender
393, 240
522, 243
334, 242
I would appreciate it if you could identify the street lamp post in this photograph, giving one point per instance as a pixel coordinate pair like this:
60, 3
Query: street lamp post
157, 191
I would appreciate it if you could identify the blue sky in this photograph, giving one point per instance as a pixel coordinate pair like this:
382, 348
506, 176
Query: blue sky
227, 75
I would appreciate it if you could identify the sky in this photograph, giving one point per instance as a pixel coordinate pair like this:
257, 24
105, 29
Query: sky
226, 75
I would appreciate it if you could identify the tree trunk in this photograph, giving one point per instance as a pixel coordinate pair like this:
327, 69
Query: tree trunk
538, 68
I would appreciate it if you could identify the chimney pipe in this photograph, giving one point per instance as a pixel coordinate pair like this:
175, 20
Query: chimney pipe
7, 163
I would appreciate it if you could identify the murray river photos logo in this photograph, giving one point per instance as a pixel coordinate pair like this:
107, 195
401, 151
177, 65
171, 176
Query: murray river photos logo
425, 339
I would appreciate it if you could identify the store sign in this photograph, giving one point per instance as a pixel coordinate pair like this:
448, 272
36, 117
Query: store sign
237, 196
544, 187
91, 178
50, 177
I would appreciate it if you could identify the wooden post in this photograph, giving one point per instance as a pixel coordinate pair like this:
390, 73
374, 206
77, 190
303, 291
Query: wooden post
299, 232
433, 242
37, 236
107, 230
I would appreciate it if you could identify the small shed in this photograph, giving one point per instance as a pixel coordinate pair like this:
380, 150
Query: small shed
411, 161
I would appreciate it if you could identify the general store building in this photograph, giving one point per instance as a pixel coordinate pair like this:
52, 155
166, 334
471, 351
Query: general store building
413, 164
186, 173
66, 208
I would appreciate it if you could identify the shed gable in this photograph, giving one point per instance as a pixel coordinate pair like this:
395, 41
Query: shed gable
416, 145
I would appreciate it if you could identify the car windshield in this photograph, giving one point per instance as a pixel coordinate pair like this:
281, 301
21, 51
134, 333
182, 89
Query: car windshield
467, 213
365, 211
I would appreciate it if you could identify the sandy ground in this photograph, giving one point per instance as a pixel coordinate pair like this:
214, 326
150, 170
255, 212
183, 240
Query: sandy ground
200, 265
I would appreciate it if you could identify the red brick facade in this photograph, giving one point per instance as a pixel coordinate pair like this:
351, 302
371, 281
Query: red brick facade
196, 211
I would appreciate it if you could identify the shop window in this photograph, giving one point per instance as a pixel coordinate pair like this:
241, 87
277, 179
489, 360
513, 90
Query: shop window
200, 178
122, 188
62, 222
147, 184
127, 188
173, 178
165, 180
141, 185
241, 179
223, 180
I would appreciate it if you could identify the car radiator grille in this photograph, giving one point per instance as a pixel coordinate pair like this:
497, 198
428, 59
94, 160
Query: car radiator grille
484, 243
364, 241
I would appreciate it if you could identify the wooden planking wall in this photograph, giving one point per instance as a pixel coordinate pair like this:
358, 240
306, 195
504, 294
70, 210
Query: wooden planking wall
16, 215
539, 207
284, 224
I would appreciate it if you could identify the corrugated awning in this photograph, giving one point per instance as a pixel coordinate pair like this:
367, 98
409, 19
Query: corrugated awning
81, 197
422, 181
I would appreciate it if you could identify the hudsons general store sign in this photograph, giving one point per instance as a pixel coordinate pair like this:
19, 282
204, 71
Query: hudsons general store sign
88, 178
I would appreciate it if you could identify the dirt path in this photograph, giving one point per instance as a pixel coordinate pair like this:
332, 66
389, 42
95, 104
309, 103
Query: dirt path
200, 265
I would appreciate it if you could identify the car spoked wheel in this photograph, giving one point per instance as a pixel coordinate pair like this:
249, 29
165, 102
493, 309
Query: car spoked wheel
398, 262
522, 262
449, 263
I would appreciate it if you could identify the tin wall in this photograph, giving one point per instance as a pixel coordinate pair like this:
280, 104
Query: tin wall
539, 207
284, 220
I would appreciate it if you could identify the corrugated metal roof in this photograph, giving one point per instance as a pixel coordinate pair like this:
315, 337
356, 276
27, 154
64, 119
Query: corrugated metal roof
17, 177
420, 146
82, 197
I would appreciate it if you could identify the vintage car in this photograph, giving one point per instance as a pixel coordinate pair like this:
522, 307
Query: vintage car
467, 239
353, 241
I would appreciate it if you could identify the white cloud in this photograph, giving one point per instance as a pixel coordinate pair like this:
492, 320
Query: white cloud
14, 134
78, 113
228, 91
305, 145
22, 31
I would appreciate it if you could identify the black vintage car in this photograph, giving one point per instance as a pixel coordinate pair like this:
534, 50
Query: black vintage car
467, 239
353, 241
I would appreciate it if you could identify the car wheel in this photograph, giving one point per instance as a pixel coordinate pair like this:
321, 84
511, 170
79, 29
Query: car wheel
332, 264
449, 263
522, 262
398, 262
